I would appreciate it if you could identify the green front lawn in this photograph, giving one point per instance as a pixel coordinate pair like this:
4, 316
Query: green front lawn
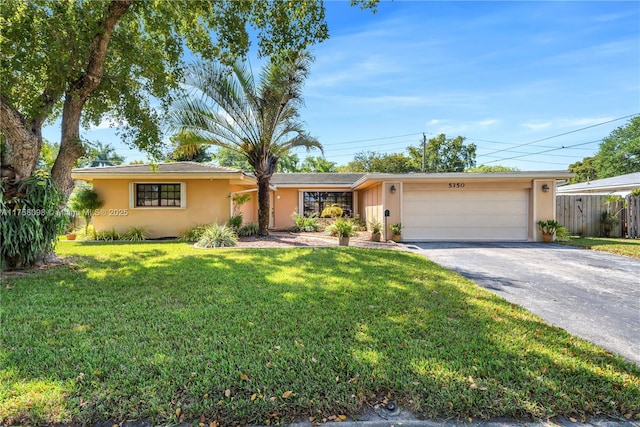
628, 247
166, 332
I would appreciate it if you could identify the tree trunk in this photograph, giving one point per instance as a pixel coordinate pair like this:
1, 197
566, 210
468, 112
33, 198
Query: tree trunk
23, 140
70, 145
264, 205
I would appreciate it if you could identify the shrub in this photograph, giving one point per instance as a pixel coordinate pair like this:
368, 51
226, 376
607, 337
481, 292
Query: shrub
359, 223
217, 236
85, 201
376, 226
107, 235
83, 233
342, 228
332, 211
30, 220
135, 234
193, 234
306, 224
250, 229
235, 221
562, 234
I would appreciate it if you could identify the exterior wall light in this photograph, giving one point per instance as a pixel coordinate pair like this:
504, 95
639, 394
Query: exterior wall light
545, 188
392, 189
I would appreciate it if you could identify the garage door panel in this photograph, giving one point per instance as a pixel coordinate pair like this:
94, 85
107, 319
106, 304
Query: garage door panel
466, 215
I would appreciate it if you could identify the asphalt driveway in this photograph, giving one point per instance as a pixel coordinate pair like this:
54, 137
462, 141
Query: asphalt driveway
590, 294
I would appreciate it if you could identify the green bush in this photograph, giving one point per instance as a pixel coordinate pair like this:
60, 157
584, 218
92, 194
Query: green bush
235, 221
217, 236
84, 201
342, 228
250, 229
31, 219
107, 235
135, 234
193, 234
306, 224
562, 234
332, 211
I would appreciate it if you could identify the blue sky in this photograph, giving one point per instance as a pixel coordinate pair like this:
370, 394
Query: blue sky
501, 74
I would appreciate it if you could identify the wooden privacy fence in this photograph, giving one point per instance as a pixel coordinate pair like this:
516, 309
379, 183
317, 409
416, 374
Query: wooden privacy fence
582, 215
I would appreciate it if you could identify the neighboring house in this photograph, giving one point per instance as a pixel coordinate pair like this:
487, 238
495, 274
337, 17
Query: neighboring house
618, 185
172, 197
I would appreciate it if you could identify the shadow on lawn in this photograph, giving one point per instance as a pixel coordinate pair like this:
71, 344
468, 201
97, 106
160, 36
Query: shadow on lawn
144, 332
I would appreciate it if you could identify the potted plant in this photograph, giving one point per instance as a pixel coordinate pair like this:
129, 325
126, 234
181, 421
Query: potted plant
548, 229
343, 229
376, 230
396, 232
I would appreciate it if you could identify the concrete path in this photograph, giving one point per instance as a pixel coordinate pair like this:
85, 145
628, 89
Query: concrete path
590, 294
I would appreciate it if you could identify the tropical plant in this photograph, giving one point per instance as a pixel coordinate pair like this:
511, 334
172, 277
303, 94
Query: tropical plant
548, 226
342, 228
249, 229
31, 220
84, 201
185, 147
135, 234
259, 120
396, 229
235, 221
608, 220
193, 234
98, 154
376, 228
306, 224
635, 192
110, 235
332, 212
217, 236
562, 234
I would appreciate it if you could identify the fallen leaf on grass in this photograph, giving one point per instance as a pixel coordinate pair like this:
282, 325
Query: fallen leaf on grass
286, 394
243, 377
227, 393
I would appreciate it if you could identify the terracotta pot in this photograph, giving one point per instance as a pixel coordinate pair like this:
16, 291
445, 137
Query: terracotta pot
396, 237
71, 236
343, 241
547, 238
375, 237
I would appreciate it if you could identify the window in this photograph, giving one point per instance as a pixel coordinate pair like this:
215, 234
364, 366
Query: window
168, 195
314, 202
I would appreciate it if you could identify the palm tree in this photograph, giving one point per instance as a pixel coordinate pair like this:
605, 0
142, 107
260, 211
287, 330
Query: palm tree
259, 120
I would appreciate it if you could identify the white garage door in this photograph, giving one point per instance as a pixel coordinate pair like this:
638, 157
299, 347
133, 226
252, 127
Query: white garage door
465, 215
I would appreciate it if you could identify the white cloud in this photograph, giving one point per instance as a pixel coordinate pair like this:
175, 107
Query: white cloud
537, 126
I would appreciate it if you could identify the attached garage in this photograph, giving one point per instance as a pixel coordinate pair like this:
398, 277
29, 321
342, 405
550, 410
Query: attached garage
501, 206
466, 215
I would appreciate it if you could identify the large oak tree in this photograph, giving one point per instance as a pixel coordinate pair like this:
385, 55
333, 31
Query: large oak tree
89, 61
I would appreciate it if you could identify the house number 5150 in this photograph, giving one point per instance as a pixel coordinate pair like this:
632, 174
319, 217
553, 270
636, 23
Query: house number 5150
456, 185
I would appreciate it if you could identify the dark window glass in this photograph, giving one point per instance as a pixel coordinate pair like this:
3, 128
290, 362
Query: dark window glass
314, 202
157, 195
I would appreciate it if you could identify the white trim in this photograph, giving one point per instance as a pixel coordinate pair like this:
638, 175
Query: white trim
132, 196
